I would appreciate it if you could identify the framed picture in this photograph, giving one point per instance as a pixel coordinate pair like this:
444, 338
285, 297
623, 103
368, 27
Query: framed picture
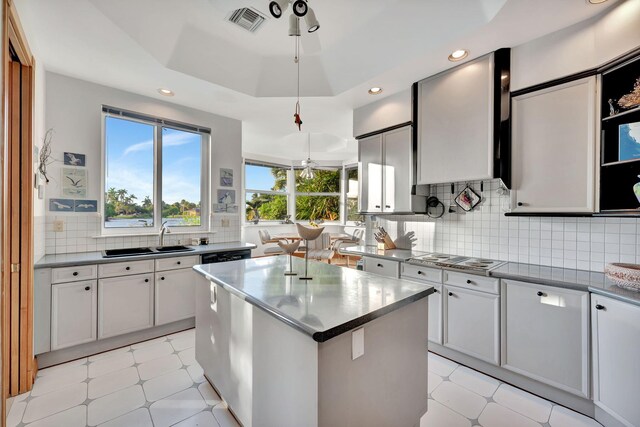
74, 182
227, 197
74, 159
224, 208
226, 177
629, 141
85, 206
61, 205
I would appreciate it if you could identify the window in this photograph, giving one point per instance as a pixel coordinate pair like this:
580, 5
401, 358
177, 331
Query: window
266, 195
149, 159
318, 198
351, 197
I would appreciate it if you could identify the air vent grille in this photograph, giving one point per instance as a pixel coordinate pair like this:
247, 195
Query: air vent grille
247, 18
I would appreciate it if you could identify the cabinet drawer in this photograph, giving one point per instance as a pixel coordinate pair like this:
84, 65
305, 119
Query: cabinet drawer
382, 267
125, 268
472, 281
174, 263
422, 273
73, 274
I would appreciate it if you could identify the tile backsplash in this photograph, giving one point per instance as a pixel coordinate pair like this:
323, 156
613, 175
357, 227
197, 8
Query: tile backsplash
81, 231
569, 242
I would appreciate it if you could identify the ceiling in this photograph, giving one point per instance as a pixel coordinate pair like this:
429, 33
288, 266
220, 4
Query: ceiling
212, 65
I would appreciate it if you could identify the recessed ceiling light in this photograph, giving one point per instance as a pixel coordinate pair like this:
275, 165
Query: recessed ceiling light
165, 92
458, 55
596, 1
375, 90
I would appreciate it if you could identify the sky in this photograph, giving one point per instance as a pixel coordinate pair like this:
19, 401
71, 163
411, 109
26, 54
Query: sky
130, 161
258, 178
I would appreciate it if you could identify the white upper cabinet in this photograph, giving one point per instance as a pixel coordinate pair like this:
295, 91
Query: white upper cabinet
554, 148
455, 124
370, 173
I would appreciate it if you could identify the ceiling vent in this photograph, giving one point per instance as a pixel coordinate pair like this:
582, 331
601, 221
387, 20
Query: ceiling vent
247, 18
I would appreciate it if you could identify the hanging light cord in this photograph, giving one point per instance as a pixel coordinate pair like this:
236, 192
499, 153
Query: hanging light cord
297, 119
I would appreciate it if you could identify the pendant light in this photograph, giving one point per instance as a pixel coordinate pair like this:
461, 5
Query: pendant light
278, 7
308, 165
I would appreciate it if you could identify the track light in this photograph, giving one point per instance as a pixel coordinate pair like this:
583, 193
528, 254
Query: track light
278, 7
294, 25
312, 22
300, 8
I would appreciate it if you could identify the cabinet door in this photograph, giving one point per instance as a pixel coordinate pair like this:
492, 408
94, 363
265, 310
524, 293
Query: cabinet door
74, 314
175, 295
471, 323
435, 314
397, 170
125, 304
370, 173
455, 124
545, 334
616, 346
553, 143
383, 267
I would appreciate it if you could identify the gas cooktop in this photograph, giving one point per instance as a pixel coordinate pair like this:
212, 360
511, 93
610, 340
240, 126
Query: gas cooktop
471, 264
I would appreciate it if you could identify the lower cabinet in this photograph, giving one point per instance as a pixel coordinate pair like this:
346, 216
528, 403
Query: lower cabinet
175, 295
125, 304
616, 358
545, 334
472, 323
74, 313
435, 314
383, 267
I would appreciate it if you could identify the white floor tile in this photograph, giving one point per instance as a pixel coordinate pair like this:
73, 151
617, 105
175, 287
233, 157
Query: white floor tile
563, 417
177, 407
440, 416
74, 417
138, 418
165, 385
151, 352
52, 403
475, 381
15, 413
495, 415
209, 394
110, 364
188, 356
433, 382
203, 419
157, 367
108, 384
61, 367
440, 365
196, 372
224, 417
59, 380
144, 344
183, 342
115, 404
525, 403
190, 333
459, 399
109, 353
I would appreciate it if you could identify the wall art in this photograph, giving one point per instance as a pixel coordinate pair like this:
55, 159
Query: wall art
74, 159
86, 206
61, 205
226, 177
74, 182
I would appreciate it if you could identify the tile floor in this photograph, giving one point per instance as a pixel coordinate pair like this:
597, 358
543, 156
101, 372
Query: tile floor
159, 383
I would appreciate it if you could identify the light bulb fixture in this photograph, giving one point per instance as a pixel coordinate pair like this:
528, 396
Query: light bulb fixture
308, 165
294, 25
312, 22
375, 90
165, 92
300, 8
458, 55
278, 7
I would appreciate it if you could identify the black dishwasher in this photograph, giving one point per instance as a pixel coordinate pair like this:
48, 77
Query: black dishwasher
226, 256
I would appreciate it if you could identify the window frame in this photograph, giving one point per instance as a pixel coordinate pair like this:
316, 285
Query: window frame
339, 194
346, 168
287, 193
205, 173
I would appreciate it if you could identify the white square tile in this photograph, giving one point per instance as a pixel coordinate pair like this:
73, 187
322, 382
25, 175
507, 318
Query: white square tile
15, 413
110, 364
74, 417
209, 394
152, 351
115, 404
563, 417
474, 381
433, 381
52, 403
196, 373
165, 385
184, 342
459, 399
203, 419
148, 343
138, 418
188, 356
60, 379
224, 417
495, 415
108, 384
439, 415
525, 403
177, 407
441, 366
109, 353
157, 367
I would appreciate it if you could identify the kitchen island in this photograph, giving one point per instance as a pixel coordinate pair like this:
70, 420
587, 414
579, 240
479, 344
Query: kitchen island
347, 348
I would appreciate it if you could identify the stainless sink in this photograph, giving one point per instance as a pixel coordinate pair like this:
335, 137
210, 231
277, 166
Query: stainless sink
114, 253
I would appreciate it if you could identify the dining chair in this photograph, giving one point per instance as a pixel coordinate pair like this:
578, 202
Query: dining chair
266, 239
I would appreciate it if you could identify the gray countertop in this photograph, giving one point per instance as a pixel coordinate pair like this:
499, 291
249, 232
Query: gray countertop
372, 251
335, 301
82, 258
588, 281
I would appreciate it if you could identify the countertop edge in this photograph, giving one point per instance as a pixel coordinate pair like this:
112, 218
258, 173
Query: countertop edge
349, 250
541, 281
614, 295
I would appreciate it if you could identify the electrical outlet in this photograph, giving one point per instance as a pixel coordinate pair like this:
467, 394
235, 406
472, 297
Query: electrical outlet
357, 343
225, 222
58, 225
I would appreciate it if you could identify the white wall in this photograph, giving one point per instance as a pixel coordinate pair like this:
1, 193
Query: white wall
73, 110
39, 129
389, 111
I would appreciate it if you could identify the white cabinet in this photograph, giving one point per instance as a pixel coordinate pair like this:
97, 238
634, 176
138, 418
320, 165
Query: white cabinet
74, 314
125, 304
435, 314
164, 264
73, 274
125, 268
553, 143
616, 356
383, 267
472, 323
370, 173
455, 124
175, 295
545, 334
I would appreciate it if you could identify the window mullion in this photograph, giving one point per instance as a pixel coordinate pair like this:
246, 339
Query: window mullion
157, 178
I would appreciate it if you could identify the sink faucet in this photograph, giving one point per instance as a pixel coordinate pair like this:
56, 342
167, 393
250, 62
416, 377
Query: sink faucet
163, 229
